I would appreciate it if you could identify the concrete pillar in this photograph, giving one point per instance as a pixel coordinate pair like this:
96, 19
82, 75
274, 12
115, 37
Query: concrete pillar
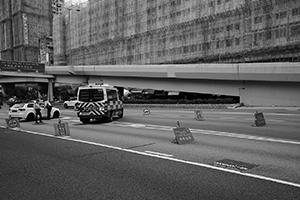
50, 89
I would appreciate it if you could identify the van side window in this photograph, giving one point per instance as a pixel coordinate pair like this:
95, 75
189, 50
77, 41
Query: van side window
112, 95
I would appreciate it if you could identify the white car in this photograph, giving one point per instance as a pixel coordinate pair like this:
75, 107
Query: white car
25, 111
71, 102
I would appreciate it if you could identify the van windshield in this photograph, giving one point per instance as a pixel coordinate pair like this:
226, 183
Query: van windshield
90, 95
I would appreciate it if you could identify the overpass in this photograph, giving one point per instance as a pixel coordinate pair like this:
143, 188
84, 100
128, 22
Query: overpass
257, 84
12, 72
9, 79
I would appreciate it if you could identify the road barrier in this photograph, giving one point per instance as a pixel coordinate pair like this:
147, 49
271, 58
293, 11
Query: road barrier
183, 135
61, 129
12, 123
146, 111
199, 115
259, 119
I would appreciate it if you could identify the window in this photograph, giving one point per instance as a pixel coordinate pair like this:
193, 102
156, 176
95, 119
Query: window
112, 95
186, 49
257, 19
237, 41
96, 94
218, 44
295, 31
296, 11
281, 15
30, 105
268, 35
228, 42
229, 27
280, 33
90, 95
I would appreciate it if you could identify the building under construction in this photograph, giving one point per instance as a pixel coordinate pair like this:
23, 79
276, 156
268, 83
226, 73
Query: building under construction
101, 32
23, 24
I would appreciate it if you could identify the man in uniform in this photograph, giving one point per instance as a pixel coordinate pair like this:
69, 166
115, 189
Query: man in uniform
38, 114
48, 106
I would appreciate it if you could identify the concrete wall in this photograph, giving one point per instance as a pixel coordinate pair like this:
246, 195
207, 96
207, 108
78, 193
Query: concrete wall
185, 85
271, 93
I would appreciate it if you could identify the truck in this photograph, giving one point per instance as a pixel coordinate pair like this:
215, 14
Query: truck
98, 102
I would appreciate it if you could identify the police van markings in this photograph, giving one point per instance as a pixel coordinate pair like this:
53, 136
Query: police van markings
169, 158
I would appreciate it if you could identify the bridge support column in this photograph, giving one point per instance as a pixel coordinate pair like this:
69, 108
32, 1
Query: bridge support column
50, 90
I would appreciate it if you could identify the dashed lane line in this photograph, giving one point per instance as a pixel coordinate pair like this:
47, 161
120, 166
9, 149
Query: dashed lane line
158, 153
207, 132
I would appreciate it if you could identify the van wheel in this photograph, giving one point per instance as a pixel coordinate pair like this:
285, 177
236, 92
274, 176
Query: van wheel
110, 117
85, 121
121, 115
30, 117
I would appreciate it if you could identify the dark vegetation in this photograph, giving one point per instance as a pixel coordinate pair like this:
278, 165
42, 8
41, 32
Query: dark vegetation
227, 100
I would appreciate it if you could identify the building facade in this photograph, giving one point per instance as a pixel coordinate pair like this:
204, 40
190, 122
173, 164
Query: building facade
177, 31
22, 24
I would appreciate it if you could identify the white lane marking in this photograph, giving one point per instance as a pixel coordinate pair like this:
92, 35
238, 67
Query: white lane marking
227, 118
170, 158
208, 132
72, 111
66, 118
160, 154
233, 113
275, 120
138, 125
243, 136
244, 113
267, 120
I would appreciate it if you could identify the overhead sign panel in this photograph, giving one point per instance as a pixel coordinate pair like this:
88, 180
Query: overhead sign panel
16, 66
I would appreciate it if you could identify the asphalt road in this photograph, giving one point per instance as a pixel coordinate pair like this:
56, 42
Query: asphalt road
41, 167
135, 158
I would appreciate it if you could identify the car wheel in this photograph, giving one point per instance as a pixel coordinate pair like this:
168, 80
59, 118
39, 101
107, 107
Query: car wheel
30, 117
66, 105
85, 121
56, 114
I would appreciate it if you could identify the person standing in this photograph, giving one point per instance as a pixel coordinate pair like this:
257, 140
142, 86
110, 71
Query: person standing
48, 105
38, 114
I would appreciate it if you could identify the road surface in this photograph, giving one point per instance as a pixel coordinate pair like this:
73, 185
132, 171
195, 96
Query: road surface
135, 158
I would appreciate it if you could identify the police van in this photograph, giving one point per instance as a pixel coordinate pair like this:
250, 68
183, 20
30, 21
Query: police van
98, 102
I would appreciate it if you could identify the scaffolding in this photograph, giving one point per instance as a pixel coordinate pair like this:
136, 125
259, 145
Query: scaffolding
178, 31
